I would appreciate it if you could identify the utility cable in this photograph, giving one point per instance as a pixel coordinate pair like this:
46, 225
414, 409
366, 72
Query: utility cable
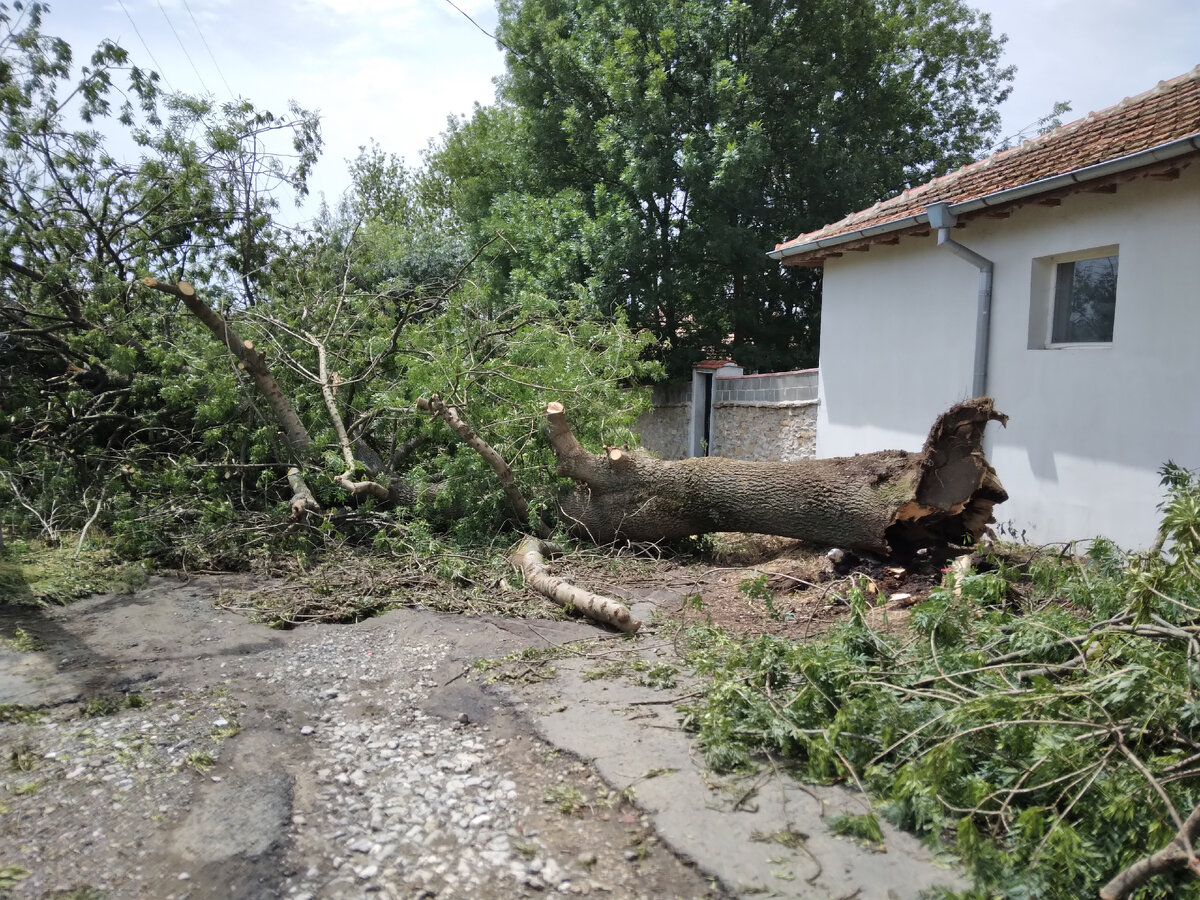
162, 74
183, 46
204, 41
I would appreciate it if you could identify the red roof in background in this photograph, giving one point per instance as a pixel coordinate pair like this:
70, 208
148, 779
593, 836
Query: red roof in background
713, 363
1169, 112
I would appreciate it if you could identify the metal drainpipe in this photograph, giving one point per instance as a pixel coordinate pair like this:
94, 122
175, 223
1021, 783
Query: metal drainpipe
942, 219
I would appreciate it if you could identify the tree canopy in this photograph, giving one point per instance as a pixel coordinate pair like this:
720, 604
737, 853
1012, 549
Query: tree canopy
668, 144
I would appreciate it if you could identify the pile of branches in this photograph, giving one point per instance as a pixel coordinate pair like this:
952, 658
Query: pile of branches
1042, 719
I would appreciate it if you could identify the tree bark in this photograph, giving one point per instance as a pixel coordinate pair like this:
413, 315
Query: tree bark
1178, 854
530, 560
879, 502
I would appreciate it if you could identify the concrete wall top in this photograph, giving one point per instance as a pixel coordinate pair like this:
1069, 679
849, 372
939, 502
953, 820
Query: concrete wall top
779, 387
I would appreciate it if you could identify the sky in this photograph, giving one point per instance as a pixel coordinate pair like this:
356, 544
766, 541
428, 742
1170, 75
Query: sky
394, 70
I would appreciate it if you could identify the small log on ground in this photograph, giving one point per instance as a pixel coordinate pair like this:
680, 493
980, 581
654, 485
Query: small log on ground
879, 502
530, 559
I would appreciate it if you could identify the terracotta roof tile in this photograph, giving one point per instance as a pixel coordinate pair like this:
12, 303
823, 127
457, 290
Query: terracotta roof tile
1168, 112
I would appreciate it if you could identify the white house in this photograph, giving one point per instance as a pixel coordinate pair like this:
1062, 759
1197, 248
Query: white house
1062, 278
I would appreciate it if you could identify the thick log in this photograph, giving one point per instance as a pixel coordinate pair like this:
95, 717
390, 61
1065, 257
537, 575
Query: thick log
877, 502
530, 560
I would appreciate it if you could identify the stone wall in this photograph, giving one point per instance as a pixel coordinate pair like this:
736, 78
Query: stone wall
767, 432
664, 427
767, 417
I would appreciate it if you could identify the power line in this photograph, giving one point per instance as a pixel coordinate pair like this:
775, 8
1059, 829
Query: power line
461, 12
183, 47
149, 52
204, 41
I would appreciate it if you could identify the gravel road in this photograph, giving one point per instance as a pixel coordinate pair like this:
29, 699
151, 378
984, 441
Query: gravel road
177, 751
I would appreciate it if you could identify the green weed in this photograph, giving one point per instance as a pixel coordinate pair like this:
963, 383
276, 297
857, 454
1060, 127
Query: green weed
567, 800
24, 642
18, 714
107, 706
11, 876
200, 761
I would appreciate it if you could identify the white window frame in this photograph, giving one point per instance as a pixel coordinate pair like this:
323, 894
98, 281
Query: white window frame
1044, 284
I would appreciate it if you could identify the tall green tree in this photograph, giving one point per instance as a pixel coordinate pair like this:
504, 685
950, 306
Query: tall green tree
687, 137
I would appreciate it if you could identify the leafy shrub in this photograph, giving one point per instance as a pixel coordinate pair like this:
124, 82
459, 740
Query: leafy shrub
1040, 723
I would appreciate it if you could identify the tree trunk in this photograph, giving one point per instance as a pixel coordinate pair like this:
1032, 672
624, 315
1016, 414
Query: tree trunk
880, 502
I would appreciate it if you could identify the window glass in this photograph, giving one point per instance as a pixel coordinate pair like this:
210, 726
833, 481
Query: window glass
1085, 301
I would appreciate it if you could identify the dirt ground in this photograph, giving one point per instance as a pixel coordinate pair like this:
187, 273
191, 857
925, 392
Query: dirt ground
157, 744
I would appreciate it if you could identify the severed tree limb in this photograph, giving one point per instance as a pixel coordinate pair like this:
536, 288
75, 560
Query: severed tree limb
91, 520
371, 488
295, 435
1178, 854
516, 499
255, 364
303, 502
47, 521
331, 403
530, 559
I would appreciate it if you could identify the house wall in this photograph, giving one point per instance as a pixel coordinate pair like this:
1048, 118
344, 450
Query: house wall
1089, 426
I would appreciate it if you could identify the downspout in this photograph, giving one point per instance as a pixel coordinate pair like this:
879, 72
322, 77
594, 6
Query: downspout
943, 220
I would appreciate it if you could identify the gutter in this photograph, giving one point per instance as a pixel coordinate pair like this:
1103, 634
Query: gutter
943, 220
1169, 150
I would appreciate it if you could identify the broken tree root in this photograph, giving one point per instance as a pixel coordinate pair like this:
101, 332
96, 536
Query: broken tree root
530, 559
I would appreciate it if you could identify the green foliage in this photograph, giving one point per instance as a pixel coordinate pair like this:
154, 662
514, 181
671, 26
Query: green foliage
99, 707
651, 153
1028, 721
24, 642
861, 827
568, 800
15, 712
757, 589
128, 416
33, 574
117, 404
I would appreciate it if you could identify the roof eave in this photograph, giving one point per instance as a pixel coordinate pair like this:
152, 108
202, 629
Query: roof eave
1169, 150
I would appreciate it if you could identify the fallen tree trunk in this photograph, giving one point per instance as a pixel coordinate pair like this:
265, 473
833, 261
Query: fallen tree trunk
530, 560
879, 502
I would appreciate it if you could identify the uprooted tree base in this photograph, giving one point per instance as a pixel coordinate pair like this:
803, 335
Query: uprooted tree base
878, 502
